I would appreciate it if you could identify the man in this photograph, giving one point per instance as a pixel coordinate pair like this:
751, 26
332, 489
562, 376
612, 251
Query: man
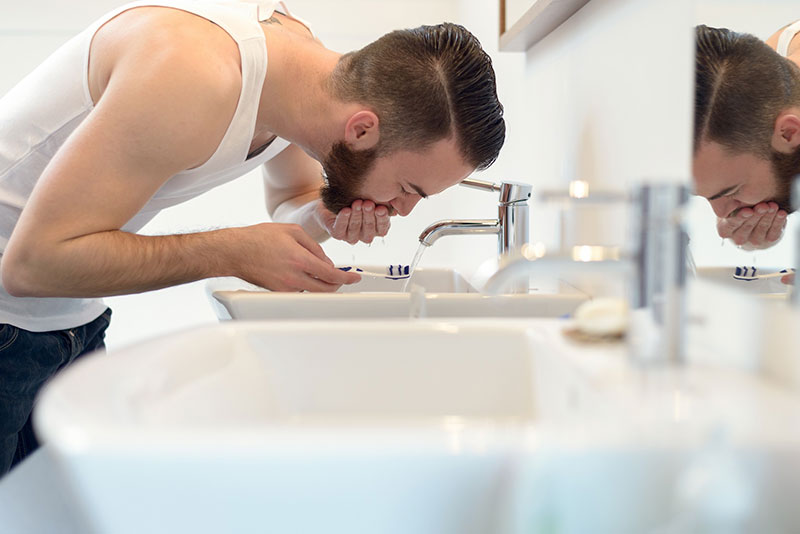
747, 133
153, 105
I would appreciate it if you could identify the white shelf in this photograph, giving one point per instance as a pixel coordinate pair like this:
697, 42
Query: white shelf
538, 21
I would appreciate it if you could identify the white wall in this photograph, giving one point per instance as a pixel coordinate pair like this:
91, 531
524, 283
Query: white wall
605, 98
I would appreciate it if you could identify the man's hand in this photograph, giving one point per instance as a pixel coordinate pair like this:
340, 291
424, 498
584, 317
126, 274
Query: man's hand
759, 226
283, 257
362, 221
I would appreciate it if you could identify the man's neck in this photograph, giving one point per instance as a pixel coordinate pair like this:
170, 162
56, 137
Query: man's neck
294, 102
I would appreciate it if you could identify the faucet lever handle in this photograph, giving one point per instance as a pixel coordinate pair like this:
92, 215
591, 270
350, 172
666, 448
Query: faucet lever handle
480, 184
509, 191
512, 192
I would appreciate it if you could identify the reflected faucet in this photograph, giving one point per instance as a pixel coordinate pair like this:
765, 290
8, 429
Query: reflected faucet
512, 225
656, 264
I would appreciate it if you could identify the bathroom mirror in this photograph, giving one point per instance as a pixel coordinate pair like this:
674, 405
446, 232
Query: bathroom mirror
761, 19
524, 22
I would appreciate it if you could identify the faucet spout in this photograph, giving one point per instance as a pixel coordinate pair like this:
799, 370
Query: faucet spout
511, 226
458, 227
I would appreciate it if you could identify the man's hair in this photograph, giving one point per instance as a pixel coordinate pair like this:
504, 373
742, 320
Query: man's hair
741, 86
426, 84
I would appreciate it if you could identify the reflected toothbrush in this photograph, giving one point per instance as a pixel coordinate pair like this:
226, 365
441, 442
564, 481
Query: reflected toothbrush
748, 274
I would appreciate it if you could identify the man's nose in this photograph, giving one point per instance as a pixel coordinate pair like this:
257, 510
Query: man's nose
724, 206
403, 206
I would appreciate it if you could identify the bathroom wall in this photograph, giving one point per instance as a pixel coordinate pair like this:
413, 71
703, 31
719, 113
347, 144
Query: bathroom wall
607, 101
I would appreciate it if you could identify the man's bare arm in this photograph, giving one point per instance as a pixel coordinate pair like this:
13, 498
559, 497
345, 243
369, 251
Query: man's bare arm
159, 114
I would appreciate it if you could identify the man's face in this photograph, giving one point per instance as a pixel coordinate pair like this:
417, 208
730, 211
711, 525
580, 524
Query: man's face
730, 181
398, 180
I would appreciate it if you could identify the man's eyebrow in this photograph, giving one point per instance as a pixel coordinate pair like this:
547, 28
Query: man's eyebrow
722, 193
418, 189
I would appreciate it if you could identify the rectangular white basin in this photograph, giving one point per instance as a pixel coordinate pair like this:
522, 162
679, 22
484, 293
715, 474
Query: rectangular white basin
287, 427
444, 293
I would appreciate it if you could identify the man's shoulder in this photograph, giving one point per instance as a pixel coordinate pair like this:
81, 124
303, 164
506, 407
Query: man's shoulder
170, 43
173, 86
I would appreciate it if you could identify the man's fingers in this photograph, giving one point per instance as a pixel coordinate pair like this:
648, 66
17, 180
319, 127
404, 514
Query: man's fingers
726, 226
319, 267
759, 233
329, 275
742, 234
776, 230
368, 221
382, 220
354, 228
339, 230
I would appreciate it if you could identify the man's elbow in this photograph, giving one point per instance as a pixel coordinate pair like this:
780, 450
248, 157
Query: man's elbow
18, 276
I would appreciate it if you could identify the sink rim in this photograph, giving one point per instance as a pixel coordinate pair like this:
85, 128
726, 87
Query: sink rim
68, 424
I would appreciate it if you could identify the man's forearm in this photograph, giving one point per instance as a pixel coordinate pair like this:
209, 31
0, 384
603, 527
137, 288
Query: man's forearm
302, 210
116, 262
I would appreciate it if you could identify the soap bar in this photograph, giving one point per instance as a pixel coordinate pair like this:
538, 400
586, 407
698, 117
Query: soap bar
602, 317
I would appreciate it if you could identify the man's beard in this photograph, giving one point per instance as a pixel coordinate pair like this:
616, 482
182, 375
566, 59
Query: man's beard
786, 168
345, 170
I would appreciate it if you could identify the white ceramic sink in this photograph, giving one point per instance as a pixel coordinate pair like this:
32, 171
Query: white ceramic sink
287, 427
434, 292
445, 427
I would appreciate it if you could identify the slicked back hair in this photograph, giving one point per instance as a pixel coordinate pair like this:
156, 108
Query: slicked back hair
426, 84
741, 86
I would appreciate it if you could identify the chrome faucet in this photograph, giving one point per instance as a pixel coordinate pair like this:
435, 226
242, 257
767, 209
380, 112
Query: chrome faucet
656, 263
512, 225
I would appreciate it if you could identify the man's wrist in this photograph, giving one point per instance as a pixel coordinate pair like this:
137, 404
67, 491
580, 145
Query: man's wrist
305, 213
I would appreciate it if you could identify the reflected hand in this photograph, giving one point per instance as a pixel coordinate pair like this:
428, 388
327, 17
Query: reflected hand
759, 226
362, 221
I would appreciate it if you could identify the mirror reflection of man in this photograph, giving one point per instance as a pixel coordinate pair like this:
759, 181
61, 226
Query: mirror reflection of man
747, 130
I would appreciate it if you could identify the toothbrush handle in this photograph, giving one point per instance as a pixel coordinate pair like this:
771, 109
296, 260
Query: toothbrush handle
772, 275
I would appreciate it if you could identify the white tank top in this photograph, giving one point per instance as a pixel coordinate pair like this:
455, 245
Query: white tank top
35, 120
786, 37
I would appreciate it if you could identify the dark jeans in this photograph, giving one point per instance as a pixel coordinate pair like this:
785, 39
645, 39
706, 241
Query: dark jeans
27, 361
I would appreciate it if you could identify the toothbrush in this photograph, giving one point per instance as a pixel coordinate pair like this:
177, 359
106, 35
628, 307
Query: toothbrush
393, 272
748, 274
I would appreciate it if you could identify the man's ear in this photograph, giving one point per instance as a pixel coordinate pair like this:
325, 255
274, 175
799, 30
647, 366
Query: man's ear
361, 131
786, 135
